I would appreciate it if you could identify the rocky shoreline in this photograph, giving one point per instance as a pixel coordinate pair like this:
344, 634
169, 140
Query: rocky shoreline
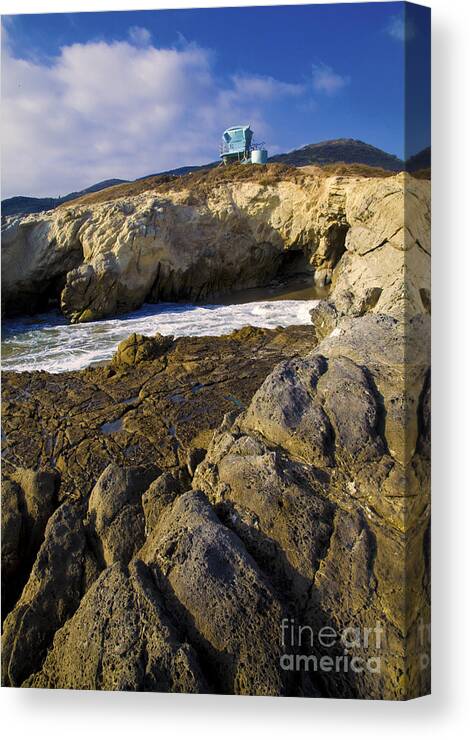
167, 515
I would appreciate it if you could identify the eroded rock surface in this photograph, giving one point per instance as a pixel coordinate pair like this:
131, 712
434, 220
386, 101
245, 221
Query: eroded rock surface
28, 500
184, 242
161, 411
121, 639
324, 477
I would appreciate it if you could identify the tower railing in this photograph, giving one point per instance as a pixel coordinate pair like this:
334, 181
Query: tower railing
229, 148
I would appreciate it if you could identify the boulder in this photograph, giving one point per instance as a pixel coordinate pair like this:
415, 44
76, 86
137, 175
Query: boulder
61, 574
219, 596
12, 521
160, 494
137, 348
324, 318
28, 499
121, 639
115, 517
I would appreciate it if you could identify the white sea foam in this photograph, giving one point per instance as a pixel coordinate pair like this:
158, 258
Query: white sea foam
47, 342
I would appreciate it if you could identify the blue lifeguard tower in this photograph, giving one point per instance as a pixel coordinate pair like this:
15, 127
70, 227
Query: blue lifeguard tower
236, 144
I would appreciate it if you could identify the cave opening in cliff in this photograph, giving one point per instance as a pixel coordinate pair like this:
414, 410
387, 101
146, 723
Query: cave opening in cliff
336, 242
294, 263
43, 297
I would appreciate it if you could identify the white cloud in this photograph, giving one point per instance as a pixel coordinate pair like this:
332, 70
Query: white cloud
264, 88
121, 109
326, 80
400, 29
140, 36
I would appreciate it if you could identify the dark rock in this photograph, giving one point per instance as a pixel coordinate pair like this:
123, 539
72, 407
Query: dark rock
121, 639
195, 456
324, 479
160, 494
12, 521
217, 592
61, 574
115, 513
28, 499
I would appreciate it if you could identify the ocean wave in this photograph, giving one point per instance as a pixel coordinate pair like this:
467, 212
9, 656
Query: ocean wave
47, 342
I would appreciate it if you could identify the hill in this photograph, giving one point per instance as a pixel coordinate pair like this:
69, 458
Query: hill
420, 164
25, 204
349, 151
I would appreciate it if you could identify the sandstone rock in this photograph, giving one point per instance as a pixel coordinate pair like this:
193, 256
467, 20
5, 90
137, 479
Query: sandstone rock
37, 253
138, 348
11, 533
160, 494
121, 639
219, 596
115, 515
28, 500
60, 575
79, 541
386, 265
324, 319
325, 480
110, 257
38, 494
275, 506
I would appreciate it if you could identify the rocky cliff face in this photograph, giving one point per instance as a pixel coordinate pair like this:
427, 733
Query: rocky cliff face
110, 257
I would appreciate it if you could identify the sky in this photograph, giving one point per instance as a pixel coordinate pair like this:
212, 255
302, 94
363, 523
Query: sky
92, 96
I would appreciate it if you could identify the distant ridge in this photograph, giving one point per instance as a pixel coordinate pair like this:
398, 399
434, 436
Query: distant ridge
20, 204
419, 161
349, 151
180, 171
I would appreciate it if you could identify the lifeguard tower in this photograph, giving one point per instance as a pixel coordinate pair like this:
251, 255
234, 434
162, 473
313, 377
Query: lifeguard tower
236, 143
237, 146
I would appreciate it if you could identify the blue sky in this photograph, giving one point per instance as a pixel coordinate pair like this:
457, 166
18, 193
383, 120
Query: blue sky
89, 96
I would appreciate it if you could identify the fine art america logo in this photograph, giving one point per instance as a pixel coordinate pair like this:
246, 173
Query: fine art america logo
329, 650
352, 648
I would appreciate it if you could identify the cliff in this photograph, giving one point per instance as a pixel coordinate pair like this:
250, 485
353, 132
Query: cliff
197, 237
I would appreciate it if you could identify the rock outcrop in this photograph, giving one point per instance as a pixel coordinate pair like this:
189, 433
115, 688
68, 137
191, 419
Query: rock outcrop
162, 410
136, 348
121, 639
386, 265
325, 478
62, 572
28, 500
186, 243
